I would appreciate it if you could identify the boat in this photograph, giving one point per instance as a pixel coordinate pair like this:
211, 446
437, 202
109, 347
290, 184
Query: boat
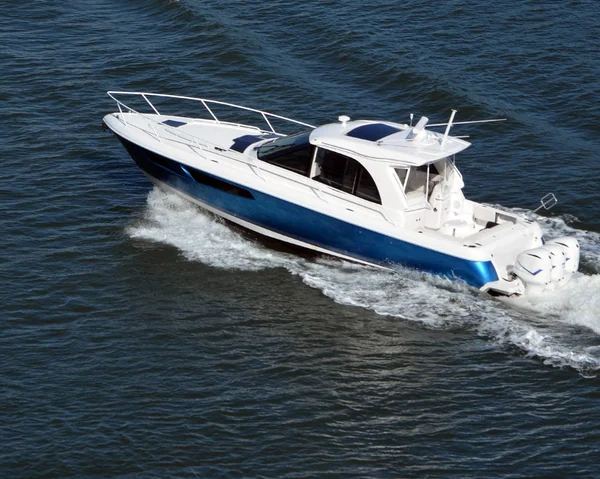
379, 193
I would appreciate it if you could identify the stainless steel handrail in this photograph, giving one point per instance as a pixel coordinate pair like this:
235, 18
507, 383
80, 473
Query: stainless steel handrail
205, 102
199, 147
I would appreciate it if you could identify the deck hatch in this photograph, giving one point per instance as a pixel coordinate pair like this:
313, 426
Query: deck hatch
174, 123
372, 131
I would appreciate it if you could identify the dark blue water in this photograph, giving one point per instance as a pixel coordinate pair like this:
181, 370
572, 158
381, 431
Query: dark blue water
141, 338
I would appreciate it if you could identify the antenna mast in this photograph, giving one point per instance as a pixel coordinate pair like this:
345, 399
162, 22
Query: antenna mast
448, 127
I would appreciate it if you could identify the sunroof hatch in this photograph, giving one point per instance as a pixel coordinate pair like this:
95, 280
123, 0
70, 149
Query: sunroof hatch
372, 131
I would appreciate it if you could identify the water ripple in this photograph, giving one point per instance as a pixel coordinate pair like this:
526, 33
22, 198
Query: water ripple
142, 338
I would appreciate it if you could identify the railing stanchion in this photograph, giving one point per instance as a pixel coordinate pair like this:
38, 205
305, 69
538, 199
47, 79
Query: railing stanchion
149, 103
268, 122
122, 115
210, 111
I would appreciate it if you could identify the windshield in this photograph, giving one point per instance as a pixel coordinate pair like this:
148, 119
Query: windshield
275, 147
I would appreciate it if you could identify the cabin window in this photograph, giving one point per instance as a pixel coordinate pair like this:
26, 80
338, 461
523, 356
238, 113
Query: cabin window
335, 170
345, 174
217, 183
401, 173
298, 161
294, 153
417, 179
164, 162
366, 188
432, 169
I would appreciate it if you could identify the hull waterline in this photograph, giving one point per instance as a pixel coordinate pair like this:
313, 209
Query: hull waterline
284, 221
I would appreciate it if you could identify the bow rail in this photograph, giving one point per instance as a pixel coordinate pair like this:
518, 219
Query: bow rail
206, 103
158, 129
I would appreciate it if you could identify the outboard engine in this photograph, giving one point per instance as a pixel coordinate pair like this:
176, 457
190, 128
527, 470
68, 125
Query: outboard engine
558, 258
570, 247
534, 268
549, 266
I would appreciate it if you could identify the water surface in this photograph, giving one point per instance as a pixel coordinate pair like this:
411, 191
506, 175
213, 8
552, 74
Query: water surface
143, 338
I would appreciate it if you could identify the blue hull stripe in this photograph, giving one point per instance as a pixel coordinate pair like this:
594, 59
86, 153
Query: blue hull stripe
309, 226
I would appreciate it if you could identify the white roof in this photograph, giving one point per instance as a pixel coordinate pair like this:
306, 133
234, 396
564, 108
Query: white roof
402, 144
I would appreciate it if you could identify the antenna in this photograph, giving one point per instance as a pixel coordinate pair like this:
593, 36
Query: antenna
448, 127
469, 122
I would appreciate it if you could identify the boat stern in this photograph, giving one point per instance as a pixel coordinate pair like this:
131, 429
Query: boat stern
547, 267
540, 270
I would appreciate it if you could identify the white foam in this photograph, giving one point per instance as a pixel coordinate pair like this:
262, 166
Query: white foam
201, 237
578, 302
544, 345
540, 328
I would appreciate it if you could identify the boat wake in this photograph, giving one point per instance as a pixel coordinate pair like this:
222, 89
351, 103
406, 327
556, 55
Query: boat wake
561, 330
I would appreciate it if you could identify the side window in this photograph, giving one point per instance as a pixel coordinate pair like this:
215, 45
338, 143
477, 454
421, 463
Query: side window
345, 174
294, 153
298, 161
416, 180
366, 187
431, 167
401, 173
335, 170
419, 177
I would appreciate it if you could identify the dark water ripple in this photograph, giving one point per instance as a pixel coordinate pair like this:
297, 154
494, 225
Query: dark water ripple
141, 338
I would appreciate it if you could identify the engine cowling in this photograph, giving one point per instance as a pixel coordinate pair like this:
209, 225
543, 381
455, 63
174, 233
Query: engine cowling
570, 247
547, 267
557, 255
534, 268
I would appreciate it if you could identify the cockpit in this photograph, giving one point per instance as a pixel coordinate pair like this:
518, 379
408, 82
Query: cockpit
423, 183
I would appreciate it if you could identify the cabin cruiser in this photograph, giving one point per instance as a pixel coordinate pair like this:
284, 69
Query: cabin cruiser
374, 192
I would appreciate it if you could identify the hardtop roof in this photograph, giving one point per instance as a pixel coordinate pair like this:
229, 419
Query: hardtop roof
400, 143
